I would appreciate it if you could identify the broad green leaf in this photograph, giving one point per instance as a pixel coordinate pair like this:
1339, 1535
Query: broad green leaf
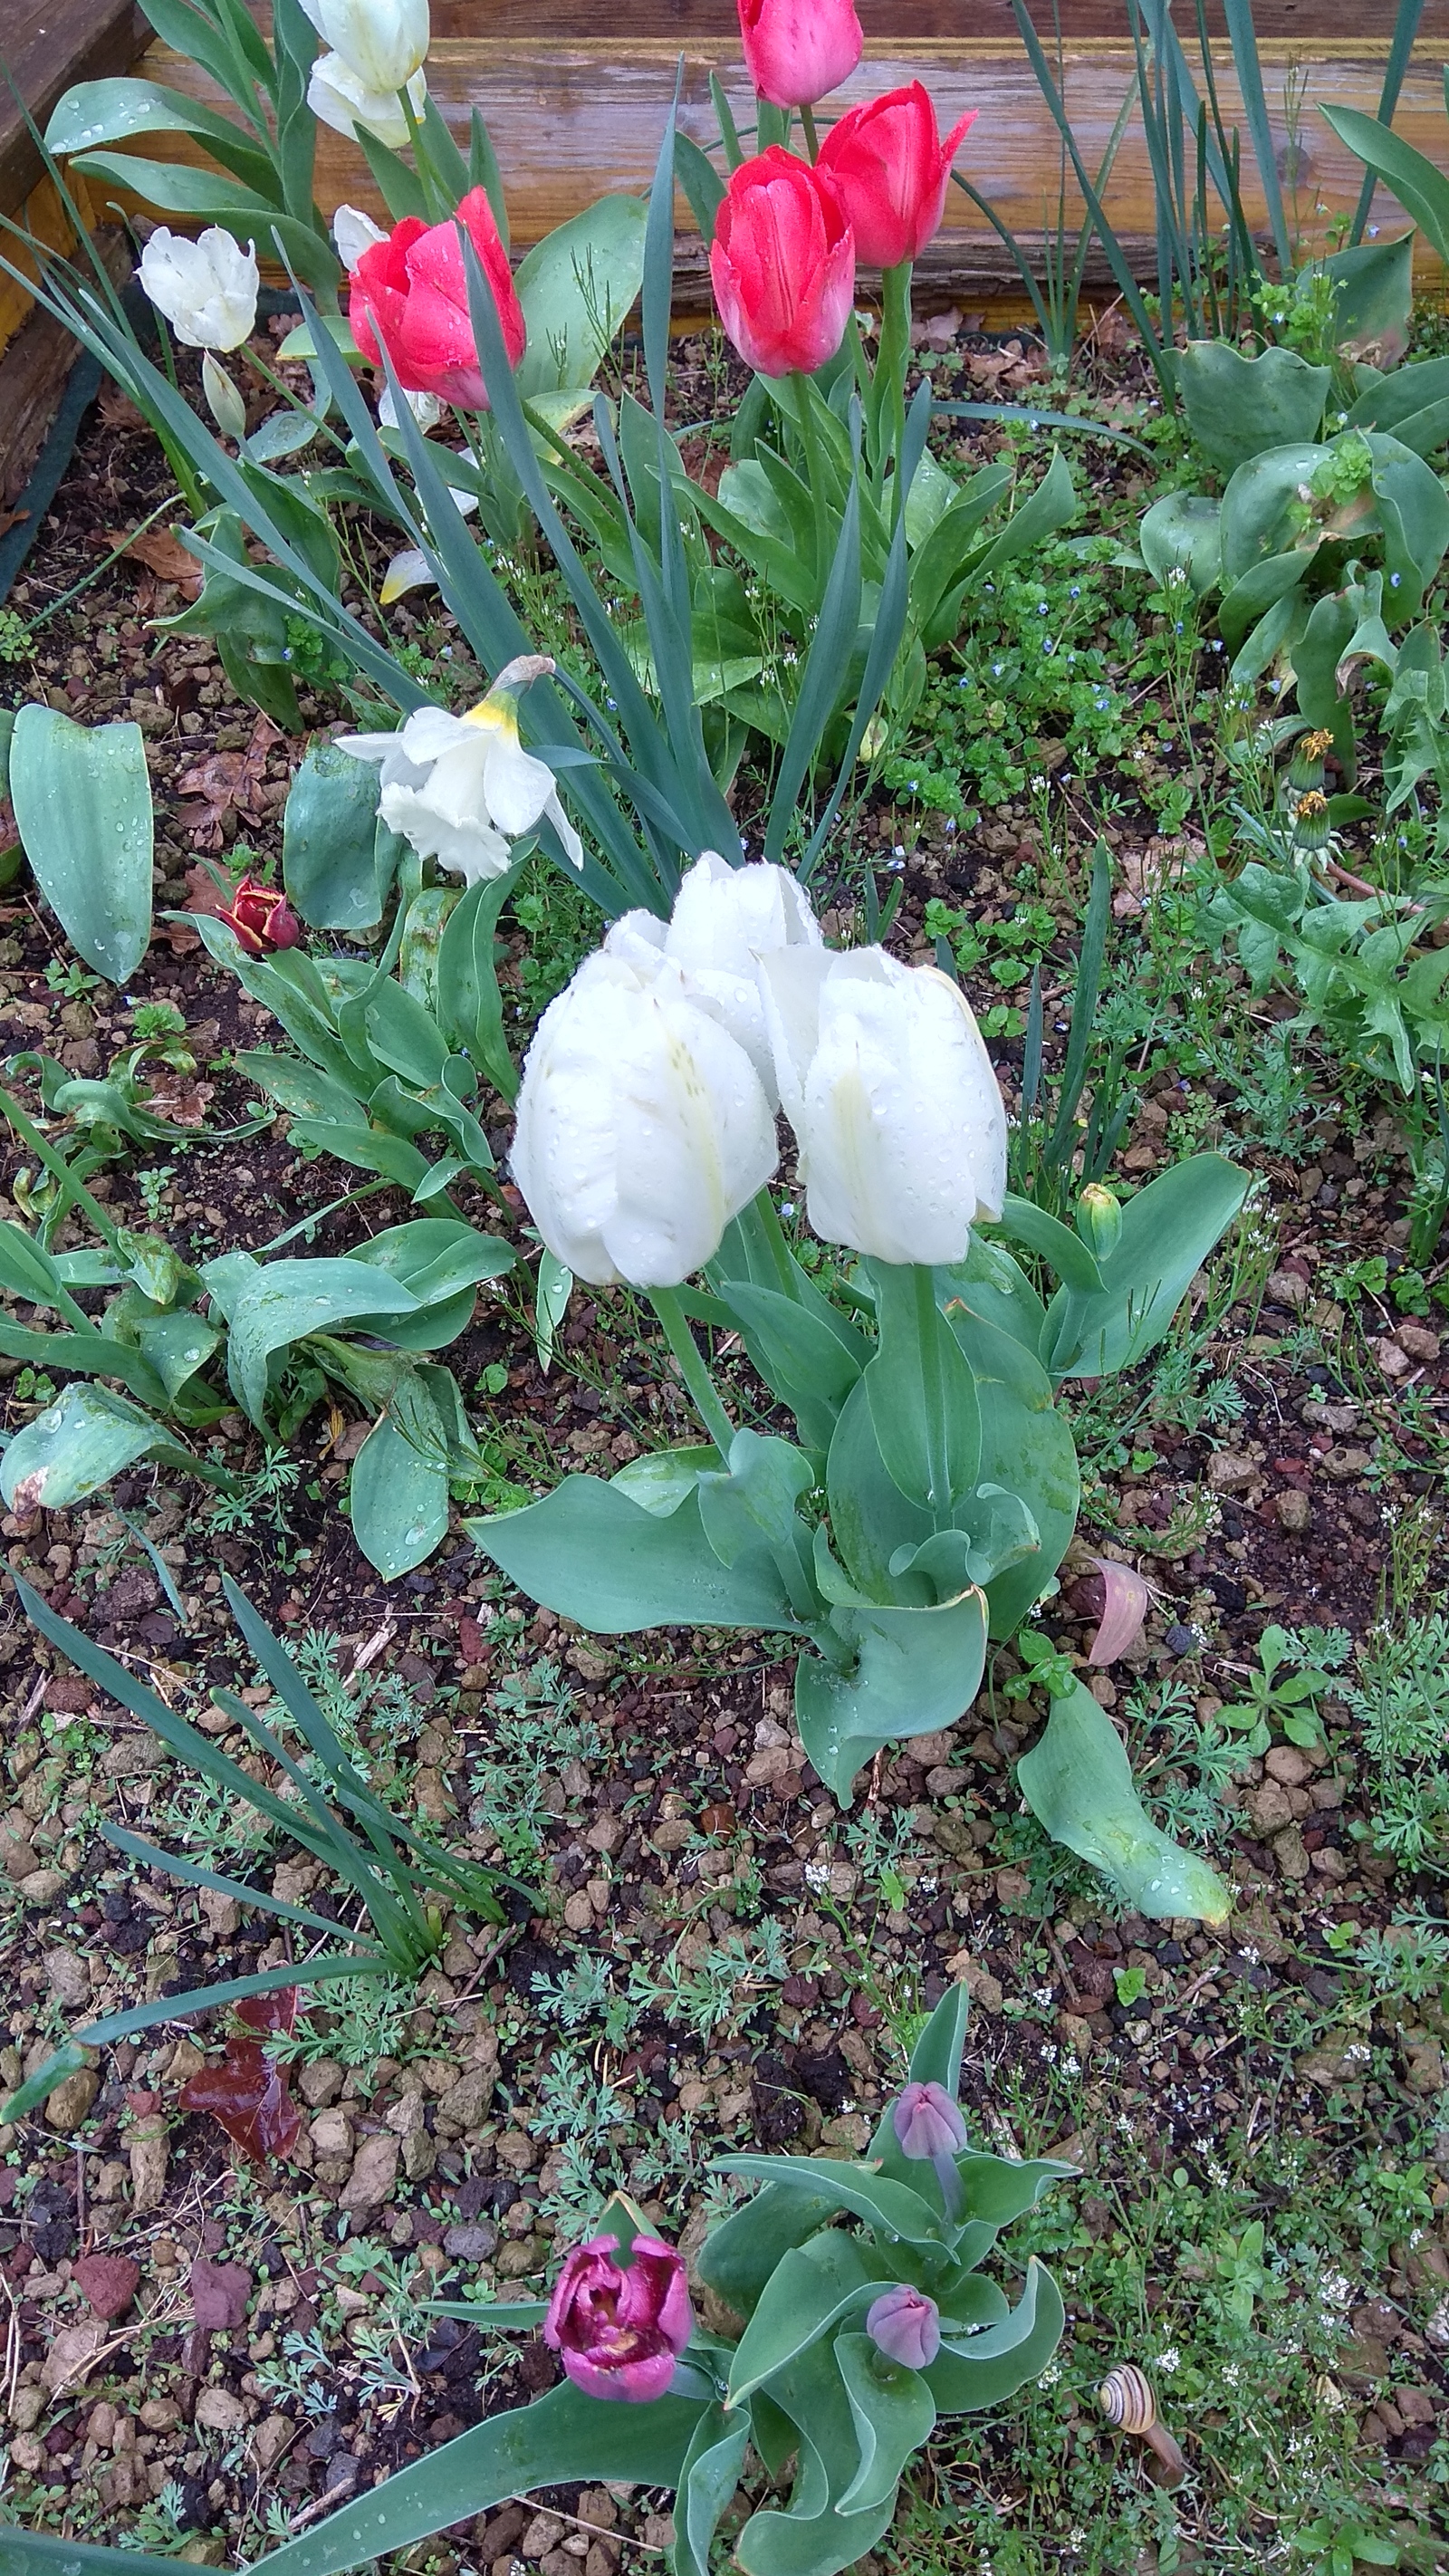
798, 1354
434, 1258
176, 1346
114, 111
986, 2367
915, 1671
755, 1502
660, 1480
1237, 406
207, 198
338, 857
810, 2290
289, 1299
590, 1553
73, 1448
1373, 299
709, 2477
403, 1036
1168, 1230
82, 803
814, 2537
1027, 1448
739, 2256
470, 1006
891, 2208
577, 288
894, 2414
1183, 532
1422, 189
1261, 510
1077, 1782
399, 1500
922, 1394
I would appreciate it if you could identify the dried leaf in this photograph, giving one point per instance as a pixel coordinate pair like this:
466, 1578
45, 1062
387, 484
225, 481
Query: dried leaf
219, 2294
162, 553
1124, 1607
11, 519
248, 2092
181, 1098
227, 779
118, 412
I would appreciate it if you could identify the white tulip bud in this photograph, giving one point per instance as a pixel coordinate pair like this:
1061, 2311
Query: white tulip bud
642, 1127
888, 1086
338, 97
724, 921
206, 288
383, 42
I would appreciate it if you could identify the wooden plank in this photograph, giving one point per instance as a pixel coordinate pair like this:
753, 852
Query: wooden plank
33, 374
569, 120
45, 45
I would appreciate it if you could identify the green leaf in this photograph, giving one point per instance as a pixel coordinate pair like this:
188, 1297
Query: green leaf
894, 2412
1183, 531
800, 1355
289, 1299
1168, 1230
1422, 189
914, 1672
810, 2290
74, 1447
986, 2367
922, 1394
1374, 298
1077, 1782
893, 2209
709, 2477
1238, 406
739, 2256
814, 2538
590, 1553
399, 1499
338, 857
470, 1006
1026, 1447
434, 1258
660, 1480
114, 111
82, 803
207, 198
1074, 1261
577, 288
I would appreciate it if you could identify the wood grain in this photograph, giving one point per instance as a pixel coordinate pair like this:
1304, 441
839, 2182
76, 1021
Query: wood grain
45, 45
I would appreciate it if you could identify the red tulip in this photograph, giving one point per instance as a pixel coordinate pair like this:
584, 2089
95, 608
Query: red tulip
891, 168
411, 293
261, 919
783, 264
796, 50
617, 2332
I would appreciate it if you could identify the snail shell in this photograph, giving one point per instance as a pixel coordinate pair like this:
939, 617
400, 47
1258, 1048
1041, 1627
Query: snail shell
1126, 2399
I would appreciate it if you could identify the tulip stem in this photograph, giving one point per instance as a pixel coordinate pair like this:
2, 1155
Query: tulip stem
812, 139
895, 350
692, 1369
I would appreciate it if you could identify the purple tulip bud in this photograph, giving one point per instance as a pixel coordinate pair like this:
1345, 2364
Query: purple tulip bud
906, 2326
616, 2331
927, 2123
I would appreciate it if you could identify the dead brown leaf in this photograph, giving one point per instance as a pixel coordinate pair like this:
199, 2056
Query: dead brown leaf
226, 781
181, 1098
118, 412
162, 553
11, 519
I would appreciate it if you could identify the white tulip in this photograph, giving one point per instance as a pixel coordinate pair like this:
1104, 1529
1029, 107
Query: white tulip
724, 921
642, 1127
337, 97
889, 1088
460, 788
427, 409
383, 42
206, 288
354, 232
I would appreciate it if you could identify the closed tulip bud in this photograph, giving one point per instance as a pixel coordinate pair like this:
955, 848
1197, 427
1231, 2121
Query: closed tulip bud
618, 2331
338, 97
410, 295
206, 288
927, 2123
1099, 1220
906, 2326
382, 41
782, 264
724, 921
891, 167
461, 788
262, 919
643, 1128
886, 1081
798, 50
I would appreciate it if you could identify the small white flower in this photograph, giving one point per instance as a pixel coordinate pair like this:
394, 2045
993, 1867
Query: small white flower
1169, 2361
338, 98
461, 788
206, 288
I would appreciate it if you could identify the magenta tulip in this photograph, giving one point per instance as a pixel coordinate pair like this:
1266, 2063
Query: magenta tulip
906, 2326
618, 2331
410, 295
797, 50
891, 168
782, 264
927, 2123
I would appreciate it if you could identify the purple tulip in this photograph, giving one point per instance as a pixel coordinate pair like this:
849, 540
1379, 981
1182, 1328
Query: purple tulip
618, 2332
927, 2123
906, 2326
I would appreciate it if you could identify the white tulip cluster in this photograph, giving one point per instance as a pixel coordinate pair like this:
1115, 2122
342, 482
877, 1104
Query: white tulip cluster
378, 48
646, 1118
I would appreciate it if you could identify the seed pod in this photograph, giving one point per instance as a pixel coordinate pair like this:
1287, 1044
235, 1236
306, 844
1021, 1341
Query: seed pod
1127, 2401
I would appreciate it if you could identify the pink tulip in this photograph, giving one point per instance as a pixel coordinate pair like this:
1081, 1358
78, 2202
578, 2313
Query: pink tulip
262, 919
906, 2326
891, 168
782, 265
410, 294
927, 2123
797, 50
618, 2332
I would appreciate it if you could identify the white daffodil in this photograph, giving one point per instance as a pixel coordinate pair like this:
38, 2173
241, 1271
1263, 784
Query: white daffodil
206, 288
383, 42
462, 788
337, 97
642, 1127
724, 921
887, 1083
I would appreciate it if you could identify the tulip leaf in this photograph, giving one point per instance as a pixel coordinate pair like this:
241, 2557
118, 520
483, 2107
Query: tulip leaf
338, 857
1077, 1782
470, 1006
983, 2368
894, 2413
915, 1671
82, 804
1027, 1448
814, 2537
800, 1356
76, 1446
708, 2479
1168, 1230
592, 1554
114, 111
810, 2289
399, 1499
577, 288
661, 1479
285, 1301
893, 2208
1237, 406
738, 2258
922, 1394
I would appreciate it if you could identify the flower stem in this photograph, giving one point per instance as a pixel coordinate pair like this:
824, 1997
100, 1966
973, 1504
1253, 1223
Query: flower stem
815, 471
696, 1376
812, 139
895, 349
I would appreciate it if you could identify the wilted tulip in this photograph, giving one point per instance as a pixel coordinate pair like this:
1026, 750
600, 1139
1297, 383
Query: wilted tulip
618, 2331
889, 1088
797, 50
906, 2326
642, 1126
382, 41
410, 293
724, 920
460, 788
206, 288
927, 2123
262, 919
891, 169
782, 264
339, 97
